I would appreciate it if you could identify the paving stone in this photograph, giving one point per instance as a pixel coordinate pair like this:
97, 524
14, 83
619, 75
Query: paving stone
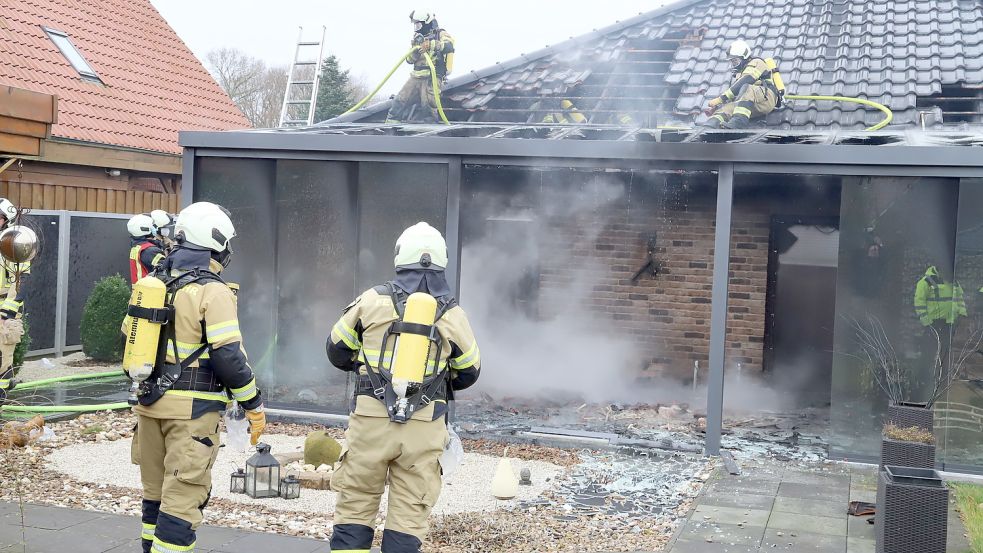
756, 486
133, 546
730, 515
740, 500
722, 533
215, 537
809, 507
48, 518
821, 478
858, 527
714, 547
832, 493
808, 523
802, 541
49, 541
863, 494
269, 542
857, 545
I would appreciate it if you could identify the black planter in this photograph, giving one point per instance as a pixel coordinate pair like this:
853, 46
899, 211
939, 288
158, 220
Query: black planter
907, 414
912, 511
907, 454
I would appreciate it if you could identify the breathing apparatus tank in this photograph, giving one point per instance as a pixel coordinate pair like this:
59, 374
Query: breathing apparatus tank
412, 351
142, 331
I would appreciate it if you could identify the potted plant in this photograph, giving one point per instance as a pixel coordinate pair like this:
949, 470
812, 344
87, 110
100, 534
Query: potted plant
910, 446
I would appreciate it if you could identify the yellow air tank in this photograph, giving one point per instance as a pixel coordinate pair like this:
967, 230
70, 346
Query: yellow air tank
412, 351
142, 335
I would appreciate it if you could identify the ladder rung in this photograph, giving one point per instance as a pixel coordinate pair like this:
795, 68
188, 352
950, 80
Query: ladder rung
305, 102
308, 44
302, 82
295, 121
305, 63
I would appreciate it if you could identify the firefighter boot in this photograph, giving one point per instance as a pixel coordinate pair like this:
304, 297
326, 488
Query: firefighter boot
712, 123
738, 121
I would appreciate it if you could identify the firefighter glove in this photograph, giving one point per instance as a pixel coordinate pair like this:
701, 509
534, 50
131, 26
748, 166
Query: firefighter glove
712, 104
257, 424
426, 47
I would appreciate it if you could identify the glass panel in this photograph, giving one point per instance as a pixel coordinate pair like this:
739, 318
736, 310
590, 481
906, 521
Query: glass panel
87, 264
71, 53
959, 415
40, 288
245, 187
896, 247
392, 197
591, 287
316, 270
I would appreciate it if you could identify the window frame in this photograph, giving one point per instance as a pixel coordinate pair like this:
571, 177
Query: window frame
88, 72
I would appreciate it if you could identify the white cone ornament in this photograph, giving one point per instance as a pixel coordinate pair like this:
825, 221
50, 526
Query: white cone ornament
505, 485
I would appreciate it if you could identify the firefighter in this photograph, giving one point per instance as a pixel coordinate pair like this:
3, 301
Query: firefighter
756, 90
567, 113
12, 294
179, 406
146, 249
163, 227
381, 445
418, 91
937, 301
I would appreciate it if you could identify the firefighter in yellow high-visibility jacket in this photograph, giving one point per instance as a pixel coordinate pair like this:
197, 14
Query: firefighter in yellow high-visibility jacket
12, 277
416, 99
391, 435
755, 92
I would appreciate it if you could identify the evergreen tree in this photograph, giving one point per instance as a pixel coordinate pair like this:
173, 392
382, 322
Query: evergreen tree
335, 93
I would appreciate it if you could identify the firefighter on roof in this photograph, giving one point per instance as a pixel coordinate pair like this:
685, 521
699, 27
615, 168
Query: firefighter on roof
755, 91
397, 428
12, 297
198, 366
146, 249
418, 91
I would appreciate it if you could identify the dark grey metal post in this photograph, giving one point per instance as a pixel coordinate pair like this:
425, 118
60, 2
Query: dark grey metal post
718, 310
187, 178
61, 282
453, 230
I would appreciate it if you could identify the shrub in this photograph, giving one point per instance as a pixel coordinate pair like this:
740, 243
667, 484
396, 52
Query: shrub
102, 317
24, 345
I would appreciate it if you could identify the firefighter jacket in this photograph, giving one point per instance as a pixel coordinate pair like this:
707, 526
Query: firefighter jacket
441, 46
145, 254
204, 314
356, 339
12, 304
938, 300
754, 72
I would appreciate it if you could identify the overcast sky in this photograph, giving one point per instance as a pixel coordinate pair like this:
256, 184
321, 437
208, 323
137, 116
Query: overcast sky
369, 37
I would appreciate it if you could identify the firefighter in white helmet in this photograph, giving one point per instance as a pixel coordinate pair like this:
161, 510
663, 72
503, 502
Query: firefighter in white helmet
146, 249
755, 91
204, 365
418, 93
397, 432
12, 297
163, 227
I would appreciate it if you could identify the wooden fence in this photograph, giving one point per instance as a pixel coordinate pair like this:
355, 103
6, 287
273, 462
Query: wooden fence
81, 198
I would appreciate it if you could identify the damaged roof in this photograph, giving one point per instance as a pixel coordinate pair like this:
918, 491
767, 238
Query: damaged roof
922, 59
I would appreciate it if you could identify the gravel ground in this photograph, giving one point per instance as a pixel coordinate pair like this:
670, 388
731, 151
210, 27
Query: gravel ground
76, 363
589, 503
108, 462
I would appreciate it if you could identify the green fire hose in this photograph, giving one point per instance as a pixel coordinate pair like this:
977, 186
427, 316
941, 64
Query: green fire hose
68, 378
64, 408
434, 82
888, 115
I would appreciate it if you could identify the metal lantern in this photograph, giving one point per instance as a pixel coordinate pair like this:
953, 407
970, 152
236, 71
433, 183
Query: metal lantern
237, 483
290, 487
18, 244
262, 474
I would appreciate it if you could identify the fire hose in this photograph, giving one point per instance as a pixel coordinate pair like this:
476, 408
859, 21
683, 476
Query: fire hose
888, 115
64, 408
434, 82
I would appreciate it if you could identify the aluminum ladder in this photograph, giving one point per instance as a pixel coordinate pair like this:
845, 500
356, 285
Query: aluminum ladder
302, 83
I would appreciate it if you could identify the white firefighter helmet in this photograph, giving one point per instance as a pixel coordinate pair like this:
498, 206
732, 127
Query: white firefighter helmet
163, 221
8, 210
421, 246
739, 50
205, 225
140, 225
421, 18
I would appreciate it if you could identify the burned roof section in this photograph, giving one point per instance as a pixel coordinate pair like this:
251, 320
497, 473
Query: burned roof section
923, 60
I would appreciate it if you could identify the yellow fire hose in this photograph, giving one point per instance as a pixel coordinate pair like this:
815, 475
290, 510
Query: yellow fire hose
433, 77
888, 115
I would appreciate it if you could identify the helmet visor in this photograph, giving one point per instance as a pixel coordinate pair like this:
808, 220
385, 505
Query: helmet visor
417, 25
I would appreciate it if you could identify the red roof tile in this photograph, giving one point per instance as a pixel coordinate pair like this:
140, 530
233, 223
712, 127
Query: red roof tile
154, 85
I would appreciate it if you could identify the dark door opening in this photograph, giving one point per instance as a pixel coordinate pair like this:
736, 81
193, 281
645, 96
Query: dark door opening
800, 310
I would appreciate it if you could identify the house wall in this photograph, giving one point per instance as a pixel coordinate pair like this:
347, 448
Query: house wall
40, 185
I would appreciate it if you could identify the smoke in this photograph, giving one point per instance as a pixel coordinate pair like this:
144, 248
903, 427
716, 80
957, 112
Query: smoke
527, 288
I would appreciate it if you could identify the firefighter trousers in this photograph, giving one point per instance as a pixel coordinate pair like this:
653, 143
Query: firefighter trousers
175, 458
418, 91
753, 101
407, 455
11, 332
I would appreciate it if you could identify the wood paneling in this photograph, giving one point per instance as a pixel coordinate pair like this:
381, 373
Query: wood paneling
40, 196
102, 157
25, 104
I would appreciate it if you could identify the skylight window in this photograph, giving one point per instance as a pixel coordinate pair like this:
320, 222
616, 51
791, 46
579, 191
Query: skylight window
72, 54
